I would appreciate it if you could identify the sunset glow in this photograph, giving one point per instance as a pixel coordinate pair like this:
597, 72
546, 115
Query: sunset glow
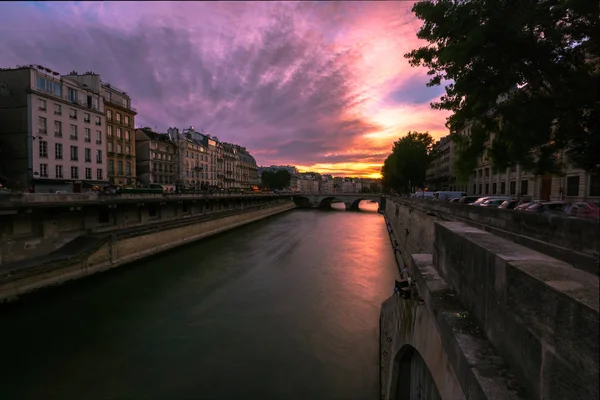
320, 85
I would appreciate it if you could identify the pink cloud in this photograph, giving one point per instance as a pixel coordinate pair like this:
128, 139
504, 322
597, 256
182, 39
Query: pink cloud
297, 83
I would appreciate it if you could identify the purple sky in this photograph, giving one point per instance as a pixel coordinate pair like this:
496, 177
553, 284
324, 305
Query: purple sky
320, 85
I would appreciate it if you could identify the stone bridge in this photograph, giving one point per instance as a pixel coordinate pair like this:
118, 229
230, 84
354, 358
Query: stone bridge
491, 304
324, 200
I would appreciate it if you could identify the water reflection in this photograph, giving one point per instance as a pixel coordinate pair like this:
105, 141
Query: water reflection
286, 308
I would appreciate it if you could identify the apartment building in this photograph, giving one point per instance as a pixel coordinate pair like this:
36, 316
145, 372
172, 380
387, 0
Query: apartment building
156, 158
193, 160
326, 184
248, 170
120, 137
52, 131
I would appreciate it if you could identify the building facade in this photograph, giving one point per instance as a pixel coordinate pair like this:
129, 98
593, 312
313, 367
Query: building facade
248, 170
52, 132
120, 143
156, 158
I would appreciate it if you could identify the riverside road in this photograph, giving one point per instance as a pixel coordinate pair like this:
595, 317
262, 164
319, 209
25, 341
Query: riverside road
286, 308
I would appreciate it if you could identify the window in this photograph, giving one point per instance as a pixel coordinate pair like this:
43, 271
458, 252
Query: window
487, 188
49, 86
73, 132
494, 187
58, 151
87, 155
109, 114
72, 113
57, 128
74, 173
59, 171
107, 96
594, 185
120, 167
125, 103
111, 148
111, 167
480, 189
128, 168
43, 170
513, 187
487, 172
74, 155
119, 133
43, 149
127, 150
98, 121
99, 174
88, 173
42, 104
72, 95
573, 186
119, 149
118, 117
87, 135
126, 135
86, 117
127, 120
42, 128
98, 137
57, 109
109, 131
524, 185
502, 187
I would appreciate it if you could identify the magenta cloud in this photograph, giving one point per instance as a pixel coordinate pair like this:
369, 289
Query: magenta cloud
296, 83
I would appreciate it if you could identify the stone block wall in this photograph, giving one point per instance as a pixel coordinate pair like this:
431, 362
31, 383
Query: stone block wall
540, 313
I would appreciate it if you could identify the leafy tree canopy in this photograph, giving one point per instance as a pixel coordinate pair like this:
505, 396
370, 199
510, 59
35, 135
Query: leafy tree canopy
526, 71
276, 180
406, 166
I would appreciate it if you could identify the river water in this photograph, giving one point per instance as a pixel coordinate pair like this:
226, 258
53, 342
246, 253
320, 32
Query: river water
286, 308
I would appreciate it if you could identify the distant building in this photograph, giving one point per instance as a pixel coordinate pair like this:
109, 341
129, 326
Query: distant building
52, 131
156, 158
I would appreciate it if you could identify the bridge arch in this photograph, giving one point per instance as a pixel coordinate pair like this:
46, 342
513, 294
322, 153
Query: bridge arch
356, 202
411, 378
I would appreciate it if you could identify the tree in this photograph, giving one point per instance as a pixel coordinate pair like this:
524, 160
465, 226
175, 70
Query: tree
523, 75
276, 180
406, 166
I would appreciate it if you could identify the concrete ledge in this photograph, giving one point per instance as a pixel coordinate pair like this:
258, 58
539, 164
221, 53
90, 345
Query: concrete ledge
111, 250
539, 312
480, 369
573, 240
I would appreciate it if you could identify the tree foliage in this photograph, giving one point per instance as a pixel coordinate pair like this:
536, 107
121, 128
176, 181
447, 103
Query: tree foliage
276, 180
525, 71
406, 166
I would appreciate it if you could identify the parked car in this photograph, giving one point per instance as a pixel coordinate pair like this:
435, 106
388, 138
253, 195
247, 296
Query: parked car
481, 200
514, 204
492, 203
555, 207
455, 200
525, 205
583, 209
469, 199
445, 196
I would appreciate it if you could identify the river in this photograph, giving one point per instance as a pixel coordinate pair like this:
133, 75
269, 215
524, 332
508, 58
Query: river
286, 308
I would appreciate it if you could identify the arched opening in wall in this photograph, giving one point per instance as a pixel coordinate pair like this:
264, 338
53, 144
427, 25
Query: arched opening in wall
365, 205
411, 379
331, 203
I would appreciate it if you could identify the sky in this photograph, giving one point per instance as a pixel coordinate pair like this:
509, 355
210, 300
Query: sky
320, 85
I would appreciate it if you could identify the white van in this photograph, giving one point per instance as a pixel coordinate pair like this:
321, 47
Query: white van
447, 196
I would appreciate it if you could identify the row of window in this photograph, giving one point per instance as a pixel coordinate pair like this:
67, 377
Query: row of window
73, 131
120, 135
59, 172
42, 105
119, 148
111, 168
572, 187
108, 97
126, 121
74, 152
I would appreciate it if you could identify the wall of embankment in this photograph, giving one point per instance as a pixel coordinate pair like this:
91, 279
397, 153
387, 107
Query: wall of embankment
90, 254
